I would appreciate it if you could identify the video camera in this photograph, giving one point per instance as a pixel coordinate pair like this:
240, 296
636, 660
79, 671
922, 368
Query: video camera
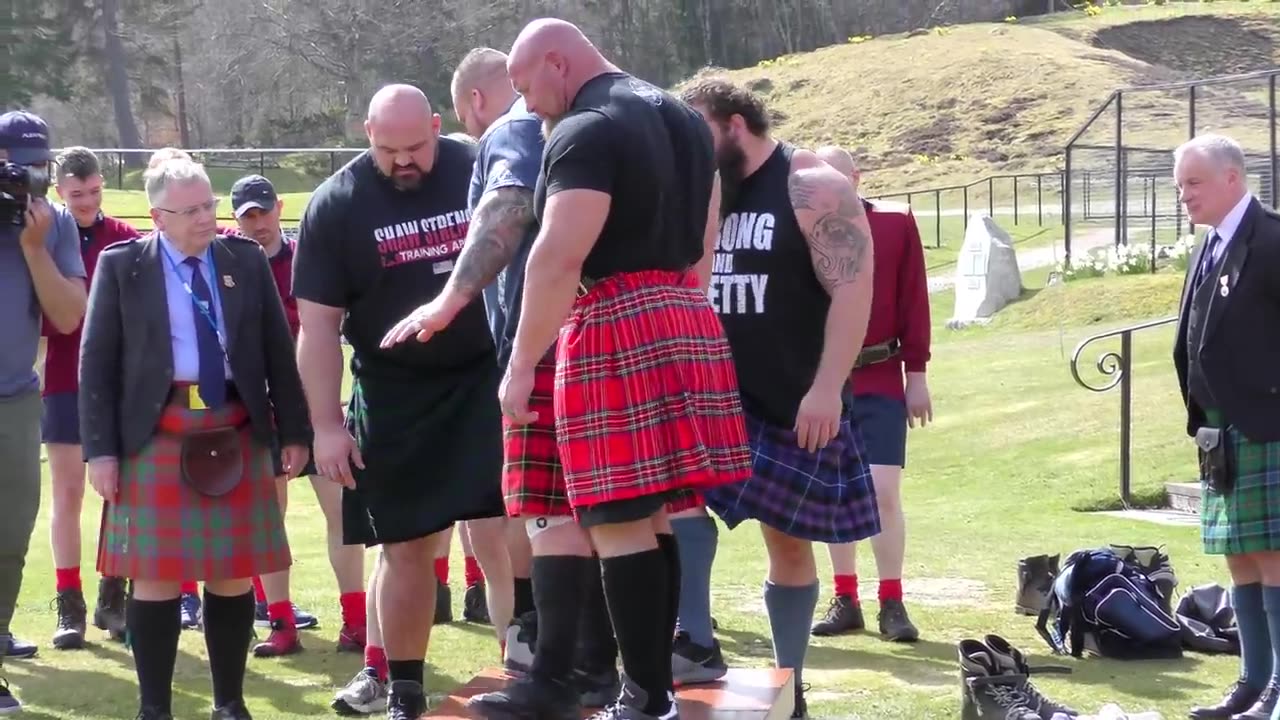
15, 193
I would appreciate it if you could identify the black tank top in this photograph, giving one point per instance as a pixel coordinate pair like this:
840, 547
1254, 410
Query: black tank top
768, 297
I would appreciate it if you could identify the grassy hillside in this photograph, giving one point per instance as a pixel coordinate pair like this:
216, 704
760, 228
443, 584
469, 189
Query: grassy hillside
951, 105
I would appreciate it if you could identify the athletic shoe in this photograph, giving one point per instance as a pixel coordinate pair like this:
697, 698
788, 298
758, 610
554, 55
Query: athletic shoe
301, 620
282, 641
9, 704
528, 697
189, 608
692, 664
364, 695
405, 700
352, 638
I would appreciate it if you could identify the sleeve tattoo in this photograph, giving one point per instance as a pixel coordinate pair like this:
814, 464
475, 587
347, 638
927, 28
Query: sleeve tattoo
498, 224
829, 210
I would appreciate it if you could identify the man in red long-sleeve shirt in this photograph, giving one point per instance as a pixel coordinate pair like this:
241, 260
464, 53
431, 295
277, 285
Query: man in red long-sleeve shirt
897, 340
257, 211
79, 184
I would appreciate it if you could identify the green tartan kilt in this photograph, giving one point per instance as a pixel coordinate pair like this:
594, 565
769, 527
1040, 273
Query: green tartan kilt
160, 529
1248, 518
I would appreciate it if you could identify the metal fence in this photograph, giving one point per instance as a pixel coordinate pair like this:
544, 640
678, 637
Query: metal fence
1119, 165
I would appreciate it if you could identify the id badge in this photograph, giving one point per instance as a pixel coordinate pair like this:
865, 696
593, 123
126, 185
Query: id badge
195, 402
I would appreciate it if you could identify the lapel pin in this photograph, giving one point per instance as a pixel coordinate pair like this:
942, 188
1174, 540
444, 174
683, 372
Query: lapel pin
1225, 289
228, 281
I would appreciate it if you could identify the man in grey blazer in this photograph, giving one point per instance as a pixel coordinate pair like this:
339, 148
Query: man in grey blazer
187, 375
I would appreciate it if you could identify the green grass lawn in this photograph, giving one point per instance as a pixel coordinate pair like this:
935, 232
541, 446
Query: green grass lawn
1017, 448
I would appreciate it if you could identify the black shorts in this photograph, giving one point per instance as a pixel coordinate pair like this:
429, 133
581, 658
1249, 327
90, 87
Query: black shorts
623, 511
60, 419
432, 451
882, 421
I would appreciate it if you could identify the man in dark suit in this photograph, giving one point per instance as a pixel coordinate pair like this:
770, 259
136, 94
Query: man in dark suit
187, 373
1227, 355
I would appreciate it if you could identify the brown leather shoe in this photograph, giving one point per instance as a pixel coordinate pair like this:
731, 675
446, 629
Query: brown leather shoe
1239, 698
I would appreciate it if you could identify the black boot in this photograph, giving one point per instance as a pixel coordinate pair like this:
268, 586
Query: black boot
843, 616
1009, 661
985, 693
1035, 581
69, 634
1239, 698
108, 614
1261, 709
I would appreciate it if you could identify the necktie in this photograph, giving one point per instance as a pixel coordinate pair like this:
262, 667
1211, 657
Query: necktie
1206, 259
212, 377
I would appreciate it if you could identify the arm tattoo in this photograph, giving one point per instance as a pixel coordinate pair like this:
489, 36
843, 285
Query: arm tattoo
828, 211
498, 225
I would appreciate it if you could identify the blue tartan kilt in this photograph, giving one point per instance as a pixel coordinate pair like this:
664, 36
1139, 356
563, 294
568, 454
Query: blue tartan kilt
825, 497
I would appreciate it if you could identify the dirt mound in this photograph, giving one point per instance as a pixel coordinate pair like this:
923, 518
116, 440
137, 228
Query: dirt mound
1197, 45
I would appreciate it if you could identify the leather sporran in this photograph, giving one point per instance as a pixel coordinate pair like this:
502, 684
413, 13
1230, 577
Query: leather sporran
212, 463
1216, 459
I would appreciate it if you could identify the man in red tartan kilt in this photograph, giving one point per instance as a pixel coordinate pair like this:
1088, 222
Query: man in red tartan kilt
187, 378
792, 286
644, 397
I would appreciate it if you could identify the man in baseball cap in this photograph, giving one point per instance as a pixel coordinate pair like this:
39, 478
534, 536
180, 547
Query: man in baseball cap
41, 274
252, 192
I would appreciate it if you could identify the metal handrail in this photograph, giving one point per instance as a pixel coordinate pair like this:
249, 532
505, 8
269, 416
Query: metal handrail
1117, 366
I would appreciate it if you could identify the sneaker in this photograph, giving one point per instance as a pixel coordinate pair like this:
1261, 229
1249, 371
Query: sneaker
843, 616
1009, 661
522, 636
528, 697
231, 711
9, 704
301, 620
597, 689
352, 638
894, 623
630, 706
692, 664
72, 618
282, 641
405, 700
364, 695
109, 613
189, 608
444, 604
475, 606
12, 647
985, 693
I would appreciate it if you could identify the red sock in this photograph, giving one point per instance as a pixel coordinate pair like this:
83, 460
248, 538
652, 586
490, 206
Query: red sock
353, 608
259, 594
474, 574
282, 611
68, 578
890, 589
847, 586
376, 658
442, 569
190, 588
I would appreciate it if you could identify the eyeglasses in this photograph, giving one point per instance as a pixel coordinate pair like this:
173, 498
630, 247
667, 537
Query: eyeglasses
195, 210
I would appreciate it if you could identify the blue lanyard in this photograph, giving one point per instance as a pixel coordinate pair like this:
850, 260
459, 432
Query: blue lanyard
222, 345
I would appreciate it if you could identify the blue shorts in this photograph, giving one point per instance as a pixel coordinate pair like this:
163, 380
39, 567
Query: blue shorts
882, 420
60, 420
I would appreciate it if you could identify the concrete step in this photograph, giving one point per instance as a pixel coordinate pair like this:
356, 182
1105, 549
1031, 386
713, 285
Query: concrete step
1183, 496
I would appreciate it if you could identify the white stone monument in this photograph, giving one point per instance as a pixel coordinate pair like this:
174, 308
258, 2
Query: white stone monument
987, 274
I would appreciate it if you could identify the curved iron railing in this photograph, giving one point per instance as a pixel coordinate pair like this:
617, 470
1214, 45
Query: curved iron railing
1117, 367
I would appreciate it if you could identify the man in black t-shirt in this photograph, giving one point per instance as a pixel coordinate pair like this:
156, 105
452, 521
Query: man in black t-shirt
792, 287
421, 446
646, 403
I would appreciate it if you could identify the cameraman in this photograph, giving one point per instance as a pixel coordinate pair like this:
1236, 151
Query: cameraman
41, 272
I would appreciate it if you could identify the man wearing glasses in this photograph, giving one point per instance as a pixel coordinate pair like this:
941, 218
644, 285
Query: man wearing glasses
192, 383
41, 272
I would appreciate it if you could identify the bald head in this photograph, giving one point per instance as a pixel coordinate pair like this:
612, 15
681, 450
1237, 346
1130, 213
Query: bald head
395, 103
481, 90
838, 158
550, 61
403, 134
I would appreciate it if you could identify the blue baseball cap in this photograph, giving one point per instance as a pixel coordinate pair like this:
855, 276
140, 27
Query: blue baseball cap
253, 191
25, 137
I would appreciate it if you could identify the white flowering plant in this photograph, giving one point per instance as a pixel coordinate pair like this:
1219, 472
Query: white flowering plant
1179, 253
1128, 260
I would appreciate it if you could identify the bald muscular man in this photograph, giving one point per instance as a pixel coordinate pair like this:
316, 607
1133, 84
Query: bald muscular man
884, 407
421, 446
645, 397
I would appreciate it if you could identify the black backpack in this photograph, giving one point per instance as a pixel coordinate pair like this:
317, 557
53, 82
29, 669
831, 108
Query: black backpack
1106, 605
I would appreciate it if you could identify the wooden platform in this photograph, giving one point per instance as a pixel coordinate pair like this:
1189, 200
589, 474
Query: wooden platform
741, 695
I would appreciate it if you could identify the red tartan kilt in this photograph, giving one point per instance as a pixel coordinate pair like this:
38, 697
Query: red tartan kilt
646, 396
160, 529
532, 479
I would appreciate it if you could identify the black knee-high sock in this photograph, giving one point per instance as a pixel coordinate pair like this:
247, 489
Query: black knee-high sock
598, 650
154, 627
524, 597
558, 585
671, 550
637, 588
228, 629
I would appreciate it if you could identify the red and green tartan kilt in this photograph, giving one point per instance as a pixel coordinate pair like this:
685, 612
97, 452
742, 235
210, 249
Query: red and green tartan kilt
532, 478
1247, 519
646, 395
160, 529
